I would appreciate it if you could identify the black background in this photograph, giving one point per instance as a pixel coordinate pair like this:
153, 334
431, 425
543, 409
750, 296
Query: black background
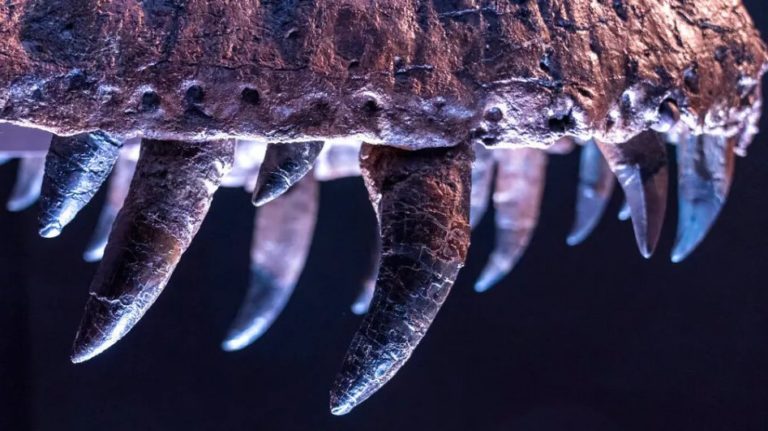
585, 338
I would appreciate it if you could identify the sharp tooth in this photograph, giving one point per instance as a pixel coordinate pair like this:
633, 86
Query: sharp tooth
596, 182
283, 166
338, 161
29, 180
75, 168
640, 165
422, 201
363, 300
624, 213
169, 197
482, 176
116, 193
520, 179
705, 172
282, 237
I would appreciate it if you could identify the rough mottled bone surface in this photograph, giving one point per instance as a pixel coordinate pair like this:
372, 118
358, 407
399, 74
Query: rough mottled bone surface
382, 71
75, 169
169, 196
422, 202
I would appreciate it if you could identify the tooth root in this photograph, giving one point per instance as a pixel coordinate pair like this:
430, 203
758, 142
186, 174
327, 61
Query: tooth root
168, 199
75, 169
482, 176
282, 237
705, 173
283, 166
624, 213
363, 300
640, 165
29, 180
520, 179
596, 182
116, 193
422, 201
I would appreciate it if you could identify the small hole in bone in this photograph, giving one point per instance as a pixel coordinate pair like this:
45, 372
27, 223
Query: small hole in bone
561, 123
251, 96
494, 115
195, 94
150, 101
371, 106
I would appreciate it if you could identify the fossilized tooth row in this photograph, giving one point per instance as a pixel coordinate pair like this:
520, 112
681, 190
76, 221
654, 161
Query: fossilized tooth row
482, 177
520, 180
282, 237
422, 202
75, 169
169, 196
29, 180
705, 172
596, 183
640, 165
116, 193
283, 166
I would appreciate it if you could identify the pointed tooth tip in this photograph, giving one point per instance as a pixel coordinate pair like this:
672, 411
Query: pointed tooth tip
260, 197
575, 238
342, 403
678, 256
17, 205
92, 256
239, 338
359, 308
50, 230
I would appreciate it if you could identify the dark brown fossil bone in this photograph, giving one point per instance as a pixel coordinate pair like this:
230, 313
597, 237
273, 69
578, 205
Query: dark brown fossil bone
283, 166
75, 169
422, 202
169, 196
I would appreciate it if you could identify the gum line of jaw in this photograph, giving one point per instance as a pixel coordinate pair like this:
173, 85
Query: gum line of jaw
511, 178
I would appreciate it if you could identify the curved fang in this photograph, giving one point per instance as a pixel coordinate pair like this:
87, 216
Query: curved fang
640, 165
75, 169
705, 172
596, 183
169, 197
283, 166
282, 237
116, 193
520, 179
482, 177
29, 180
422, 202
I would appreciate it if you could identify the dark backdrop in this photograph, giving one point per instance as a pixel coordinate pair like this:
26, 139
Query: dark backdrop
586, 338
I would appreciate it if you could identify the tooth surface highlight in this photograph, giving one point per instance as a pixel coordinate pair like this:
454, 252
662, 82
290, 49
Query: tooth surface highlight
624, 213
640, 165
596, 182
29, 180
482, 177
368, 286
283, 166
75, 169
282, 237
520, 180
705, 172
422, 203
168, 199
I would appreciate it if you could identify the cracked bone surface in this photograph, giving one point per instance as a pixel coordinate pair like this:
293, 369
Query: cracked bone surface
421, 199
503, 78
169, 197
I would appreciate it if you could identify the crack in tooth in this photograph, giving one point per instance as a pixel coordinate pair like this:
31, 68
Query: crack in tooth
281, 241
168, 199
596, 183
29, 180
422, 202
520, 180
705, 173
283, 166
75, 169
640, 165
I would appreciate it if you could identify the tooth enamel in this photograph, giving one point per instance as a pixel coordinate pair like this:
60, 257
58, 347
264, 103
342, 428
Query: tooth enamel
75, 169
705, 173
624, 213
640, 165
482, 177
169, 197
363, 301
282, 237
283, 166
29, 180
422, 202
596, 183
520, 179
